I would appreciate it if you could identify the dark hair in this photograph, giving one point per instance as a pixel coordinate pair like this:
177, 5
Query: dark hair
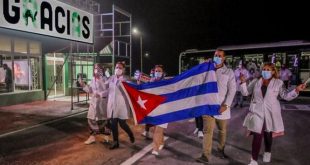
121, 63
220, 50
159, 66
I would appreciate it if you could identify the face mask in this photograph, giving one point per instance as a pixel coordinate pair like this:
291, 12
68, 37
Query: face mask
118, 72
158, 74
266, 74
217, 60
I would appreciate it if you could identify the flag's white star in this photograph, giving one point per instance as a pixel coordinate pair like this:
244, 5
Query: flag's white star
141, 102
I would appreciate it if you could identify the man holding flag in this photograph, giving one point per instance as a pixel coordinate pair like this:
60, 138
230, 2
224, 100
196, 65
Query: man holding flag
191, 94
227, 88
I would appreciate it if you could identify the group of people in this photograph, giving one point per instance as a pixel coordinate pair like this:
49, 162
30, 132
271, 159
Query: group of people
264, 118
108, 107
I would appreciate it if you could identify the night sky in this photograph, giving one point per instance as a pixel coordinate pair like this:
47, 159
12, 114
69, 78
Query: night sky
172, 26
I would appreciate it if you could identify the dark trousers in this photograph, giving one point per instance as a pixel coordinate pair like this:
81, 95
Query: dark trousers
199, 123
148, 126
124, 126
257, 141
286, 84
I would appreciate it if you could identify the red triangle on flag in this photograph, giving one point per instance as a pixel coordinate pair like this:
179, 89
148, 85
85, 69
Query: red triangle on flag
142, 103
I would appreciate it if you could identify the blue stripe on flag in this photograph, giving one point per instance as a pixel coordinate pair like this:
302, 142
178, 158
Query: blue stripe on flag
204, 67
209, 87
182, 114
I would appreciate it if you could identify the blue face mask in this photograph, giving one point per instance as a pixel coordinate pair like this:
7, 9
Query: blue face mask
217, 60
266, 74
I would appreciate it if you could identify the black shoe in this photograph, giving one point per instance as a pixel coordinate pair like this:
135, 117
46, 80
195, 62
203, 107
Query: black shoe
114, 145
222, 154
203, 159
132, 139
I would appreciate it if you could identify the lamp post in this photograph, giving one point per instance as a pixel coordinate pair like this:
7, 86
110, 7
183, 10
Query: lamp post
136, 32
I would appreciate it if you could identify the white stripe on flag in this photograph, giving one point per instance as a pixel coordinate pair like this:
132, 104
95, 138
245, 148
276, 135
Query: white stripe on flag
189, 102
188, 82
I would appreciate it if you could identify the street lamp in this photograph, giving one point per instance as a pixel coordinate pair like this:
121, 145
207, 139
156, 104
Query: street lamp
135, 31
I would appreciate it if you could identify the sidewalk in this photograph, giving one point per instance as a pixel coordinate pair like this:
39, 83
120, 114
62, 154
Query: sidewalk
21, 116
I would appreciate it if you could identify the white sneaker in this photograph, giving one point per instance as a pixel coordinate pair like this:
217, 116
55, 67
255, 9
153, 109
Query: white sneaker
155, 153
106, 139
253, 162
90, 140
146, 134
196, 131
267, 157
161, 147
200, 134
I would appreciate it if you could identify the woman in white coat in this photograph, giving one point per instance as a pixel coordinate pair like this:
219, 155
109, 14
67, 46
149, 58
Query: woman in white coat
118, 109
264, 119
97, 112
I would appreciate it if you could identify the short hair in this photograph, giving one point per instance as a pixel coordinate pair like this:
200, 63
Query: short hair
121, 63
220, 50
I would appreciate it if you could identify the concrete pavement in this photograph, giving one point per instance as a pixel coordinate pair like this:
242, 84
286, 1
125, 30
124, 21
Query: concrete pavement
61, 142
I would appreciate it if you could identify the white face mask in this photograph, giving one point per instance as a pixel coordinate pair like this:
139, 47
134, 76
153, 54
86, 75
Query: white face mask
118, 72
158, 74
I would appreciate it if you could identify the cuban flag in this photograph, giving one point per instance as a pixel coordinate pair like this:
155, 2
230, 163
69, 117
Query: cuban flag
191, 94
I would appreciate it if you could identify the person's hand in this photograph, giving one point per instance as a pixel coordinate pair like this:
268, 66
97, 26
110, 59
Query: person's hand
300, 87
242, 78
223, 108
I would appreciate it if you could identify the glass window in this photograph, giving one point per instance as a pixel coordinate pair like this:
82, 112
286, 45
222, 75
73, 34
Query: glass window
20, 46
5, 44
34, 48
6, 75
35, 73
22, 78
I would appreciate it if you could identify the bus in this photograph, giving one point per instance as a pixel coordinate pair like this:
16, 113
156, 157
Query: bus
294, 54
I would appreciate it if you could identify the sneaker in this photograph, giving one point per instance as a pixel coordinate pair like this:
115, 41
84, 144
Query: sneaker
222, 154
253, 162
196, 131
106, 139
90, 140
161, 147
114, 145
267, 157
155, 153
203, 159
146, 134
200, 134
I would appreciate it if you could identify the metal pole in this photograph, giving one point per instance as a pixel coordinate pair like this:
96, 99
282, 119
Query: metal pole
141, 53
71, 66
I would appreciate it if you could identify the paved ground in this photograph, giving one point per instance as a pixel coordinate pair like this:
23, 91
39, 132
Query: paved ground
21, 116
62, 143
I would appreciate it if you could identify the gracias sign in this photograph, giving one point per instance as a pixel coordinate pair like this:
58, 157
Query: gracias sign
47, 17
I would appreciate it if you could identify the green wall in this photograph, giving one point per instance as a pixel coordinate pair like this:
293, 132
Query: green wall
20, 97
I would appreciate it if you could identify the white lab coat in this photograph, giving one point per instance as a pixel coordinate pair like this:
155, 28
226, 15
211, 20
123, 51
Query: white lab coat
118, 107
98, 106
266, 108
242, 71
226, 83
